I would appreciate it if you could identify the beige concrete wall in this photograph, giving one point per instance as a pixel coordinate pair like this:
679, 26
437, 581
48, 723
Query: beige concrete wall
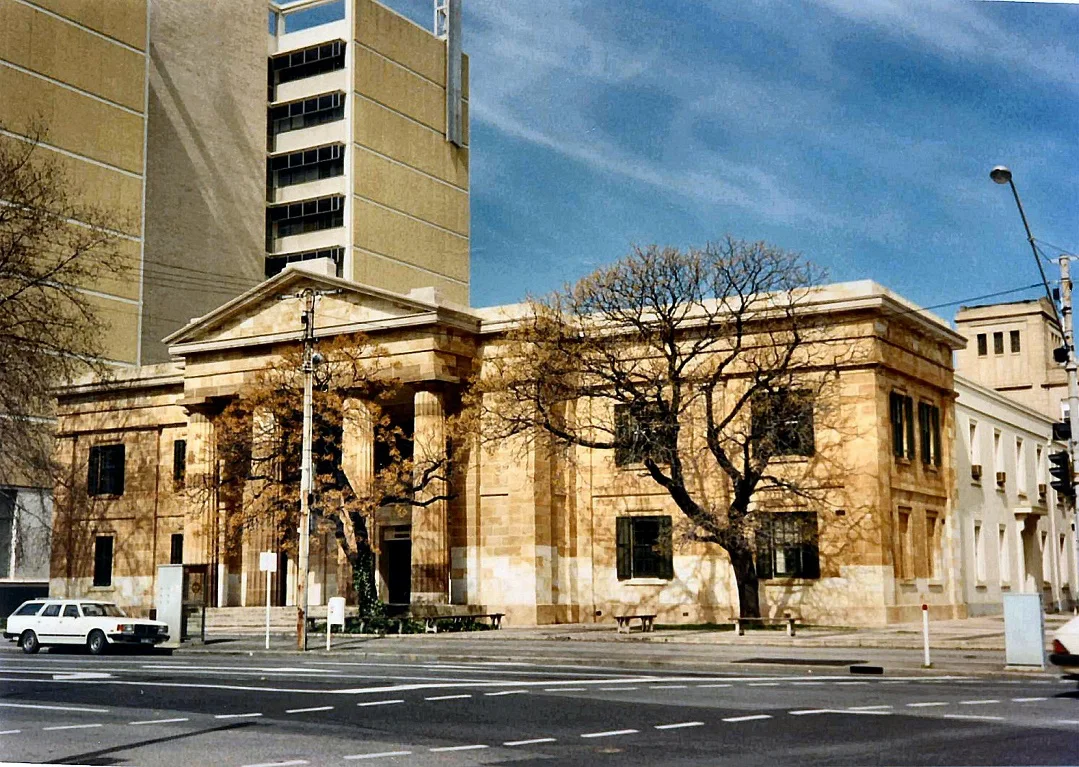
206, 170
410, 218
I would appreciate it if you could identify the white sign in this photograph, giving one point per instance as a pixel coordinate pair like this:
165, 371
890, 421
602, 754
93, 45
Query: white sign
335, 611
268, 561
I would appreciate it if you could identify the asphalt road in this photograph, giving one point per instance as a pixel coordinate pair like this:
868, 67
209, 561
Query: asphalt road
239, 712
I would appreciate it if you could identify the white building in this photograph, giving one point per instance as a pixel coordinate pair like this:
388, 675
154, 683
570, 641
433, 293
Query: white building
1015, 535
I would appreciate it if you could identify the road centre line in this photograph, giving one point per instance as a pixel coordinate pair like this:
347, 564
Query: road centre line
977, 702
291, 763
608, 733
71, 727
381, 702
1059, 721
852, 684
806, 684
928, 704
506, 692
181, 685
805, 711
378, 755
668, 687
529, 742
56, 708
449, 697
252, 715
1027, 700
763, 684
307, 710
678, 725
161, 721
867, 708
10, 732
474, 747
563, 689
974, 717
747, 718
618, 689
710, 685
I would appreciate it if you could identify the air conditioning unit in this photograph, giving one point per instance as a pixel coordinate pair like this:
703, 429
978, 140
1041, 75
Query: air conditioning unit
1002, 477
1042, 490
976, 471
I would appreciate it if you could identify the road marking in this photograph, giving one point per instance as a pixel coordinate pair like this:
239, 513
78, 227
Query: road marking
10, 732
447, 697
82, 675
708, 685
1028, 700
381, 702
505, 692
161, 721
236, 716
458, 748
279, 764
805, 711
307, 710
765, 684
608, 733
747, 718
851, 684
977, 702
56, 708
379, 755
1059, 721
806, 683
679, 725
71, 727
972, 716
668, 687
563, 689
530, 742
927, 705
867, 708
893, 681
616, 689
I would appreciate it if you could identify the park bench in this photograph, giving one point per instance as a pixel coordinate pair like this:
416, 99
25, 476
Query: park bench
624, 621
741, 623
456, 615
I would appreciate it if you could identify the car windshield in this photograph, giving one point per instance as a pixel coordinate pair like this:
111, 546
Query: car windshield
95, 610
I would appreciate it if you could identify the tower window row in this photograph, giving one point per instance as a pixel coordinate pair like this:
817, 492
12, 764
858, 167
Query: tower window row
306, 113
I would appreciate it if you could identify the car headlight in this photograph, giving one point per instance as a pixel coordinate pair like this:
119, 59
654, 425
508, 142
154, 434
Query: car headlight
125, 628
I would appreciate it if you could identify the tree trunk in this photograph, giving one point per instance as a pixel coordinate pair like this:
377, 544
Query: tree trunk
363, 581
745, 576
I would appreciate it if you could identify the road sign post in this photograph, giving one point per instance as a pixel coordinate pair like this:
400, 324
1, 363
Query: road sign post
268, 564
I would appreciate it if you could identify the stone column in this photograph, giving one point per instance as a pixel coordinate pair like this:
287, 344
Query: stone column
199, 519
430, 542
358, 444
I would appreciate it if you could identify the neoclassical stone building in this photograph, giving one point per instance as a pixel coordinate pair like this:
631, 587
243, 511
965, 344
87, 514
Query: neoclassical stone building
544, 537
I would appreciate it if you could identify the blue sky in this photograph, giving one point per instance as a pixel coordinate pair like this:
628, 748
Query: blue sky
857, 132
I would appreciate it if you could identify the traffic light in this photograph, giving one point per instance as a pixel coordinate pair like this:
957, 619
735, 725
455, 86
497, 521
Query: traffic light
1060, 355
1060, 467
1062, 431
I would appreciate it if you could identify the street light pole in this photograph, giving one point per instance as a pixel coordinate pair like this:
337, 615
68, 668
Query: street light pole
305, 467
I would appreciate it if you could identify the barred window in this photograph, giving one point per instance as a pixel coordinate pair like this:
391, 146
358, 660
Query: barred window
644, 548
783, 422
106, 470
787, 545
902, 414
642, 432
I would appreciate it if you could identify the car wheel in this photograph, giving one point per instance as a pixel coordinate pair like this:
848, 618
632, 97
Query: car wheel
96, 643
28, 642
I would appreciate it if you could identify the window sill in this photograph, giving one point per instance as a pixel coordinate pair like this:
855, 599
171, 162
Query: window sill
908, 584
790, 459
644, 582
981, 586
102, 588
1005, 587
784, 581
936, 586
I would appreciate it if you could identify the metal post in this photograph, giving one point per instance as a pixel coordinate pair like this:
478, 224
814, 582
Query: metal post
1071, 367
306, 469
925, 634
267, 609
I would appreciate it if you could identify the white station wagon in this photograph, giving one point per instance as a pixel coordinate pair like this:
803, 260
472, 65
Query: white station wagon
96, 625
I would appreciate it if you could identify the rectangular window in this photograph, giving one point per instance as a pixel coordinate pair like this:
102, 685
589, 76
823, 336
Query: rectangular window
29, 608
645, 548
642, 434
983, 346
933, 536
929, 426
979, 552
277, 264
179, 463
998, 343
103, 560
1004, 556
787, 545
7, 531
1062, 562
71, 611
902, 553
902, 414
307, 216
1020, 466
176, 554
783, 422
998, 453
975, 453
316, 60
318, 110
106, 470
307, 165
51, 611
1014, 337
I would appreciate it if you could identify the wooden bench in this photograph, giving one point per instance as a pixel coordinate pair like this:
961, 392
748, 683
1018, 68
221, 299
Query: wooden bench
740, 624
624, 621
430, 623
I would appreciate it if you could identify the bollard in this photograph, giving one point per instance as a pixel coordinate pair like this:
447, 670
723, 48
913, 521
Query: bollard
925, 634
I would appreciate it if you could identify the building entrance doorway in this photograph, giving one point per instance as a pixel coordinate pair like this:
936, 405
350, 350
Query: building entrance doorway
395, 564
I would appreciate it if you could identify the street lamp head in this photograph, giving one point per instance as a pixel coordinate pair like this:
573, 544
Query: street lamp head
1000, 174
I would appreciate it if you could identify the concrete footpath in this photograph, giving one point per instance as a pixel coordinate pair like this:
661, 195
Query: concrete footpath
971, 646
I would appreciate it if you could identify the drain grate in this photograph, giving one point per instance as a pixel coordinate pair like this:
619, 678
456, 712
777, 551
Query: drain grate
802, 661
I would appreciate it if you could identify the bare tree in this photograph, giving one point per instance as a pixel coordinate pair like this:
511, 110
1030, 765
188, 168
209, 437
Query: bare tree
259, 443
703, 367
54, 248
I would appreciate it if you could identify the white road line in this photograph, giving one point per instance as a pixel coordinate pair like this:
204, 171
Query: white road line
977, 702
237, 716
161, 721
927, 704
1028, 700
505, 692
608, 733
805, 711
279, 764
563, 689
893, 681
381, 702
10, 732
307, 710
678, 725
867, 708
71, 727
704, 685
475, 747
668, 687
1059, 721
447, 697
747, 718
379, 755
56, 708
763, 684
617, 689
805, 684
851, 684
529, 742
977, 718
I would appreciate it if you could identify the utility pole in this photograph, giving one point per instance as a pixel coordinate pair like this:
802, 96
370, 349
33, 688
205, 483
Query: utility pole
1071, 366
309, 297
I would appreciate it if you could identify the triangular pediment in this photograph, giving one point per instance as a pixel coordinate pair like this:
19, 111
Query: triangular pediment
272, 312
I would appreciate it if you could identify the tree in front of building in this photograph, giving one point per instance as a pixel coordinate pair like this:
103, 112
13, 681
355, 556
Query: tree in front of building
259, 439
702, 369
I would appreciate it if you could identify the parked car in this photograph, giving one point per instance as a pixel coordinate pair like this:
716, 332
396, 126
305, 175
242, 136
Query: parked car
96, 625
1065, 653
